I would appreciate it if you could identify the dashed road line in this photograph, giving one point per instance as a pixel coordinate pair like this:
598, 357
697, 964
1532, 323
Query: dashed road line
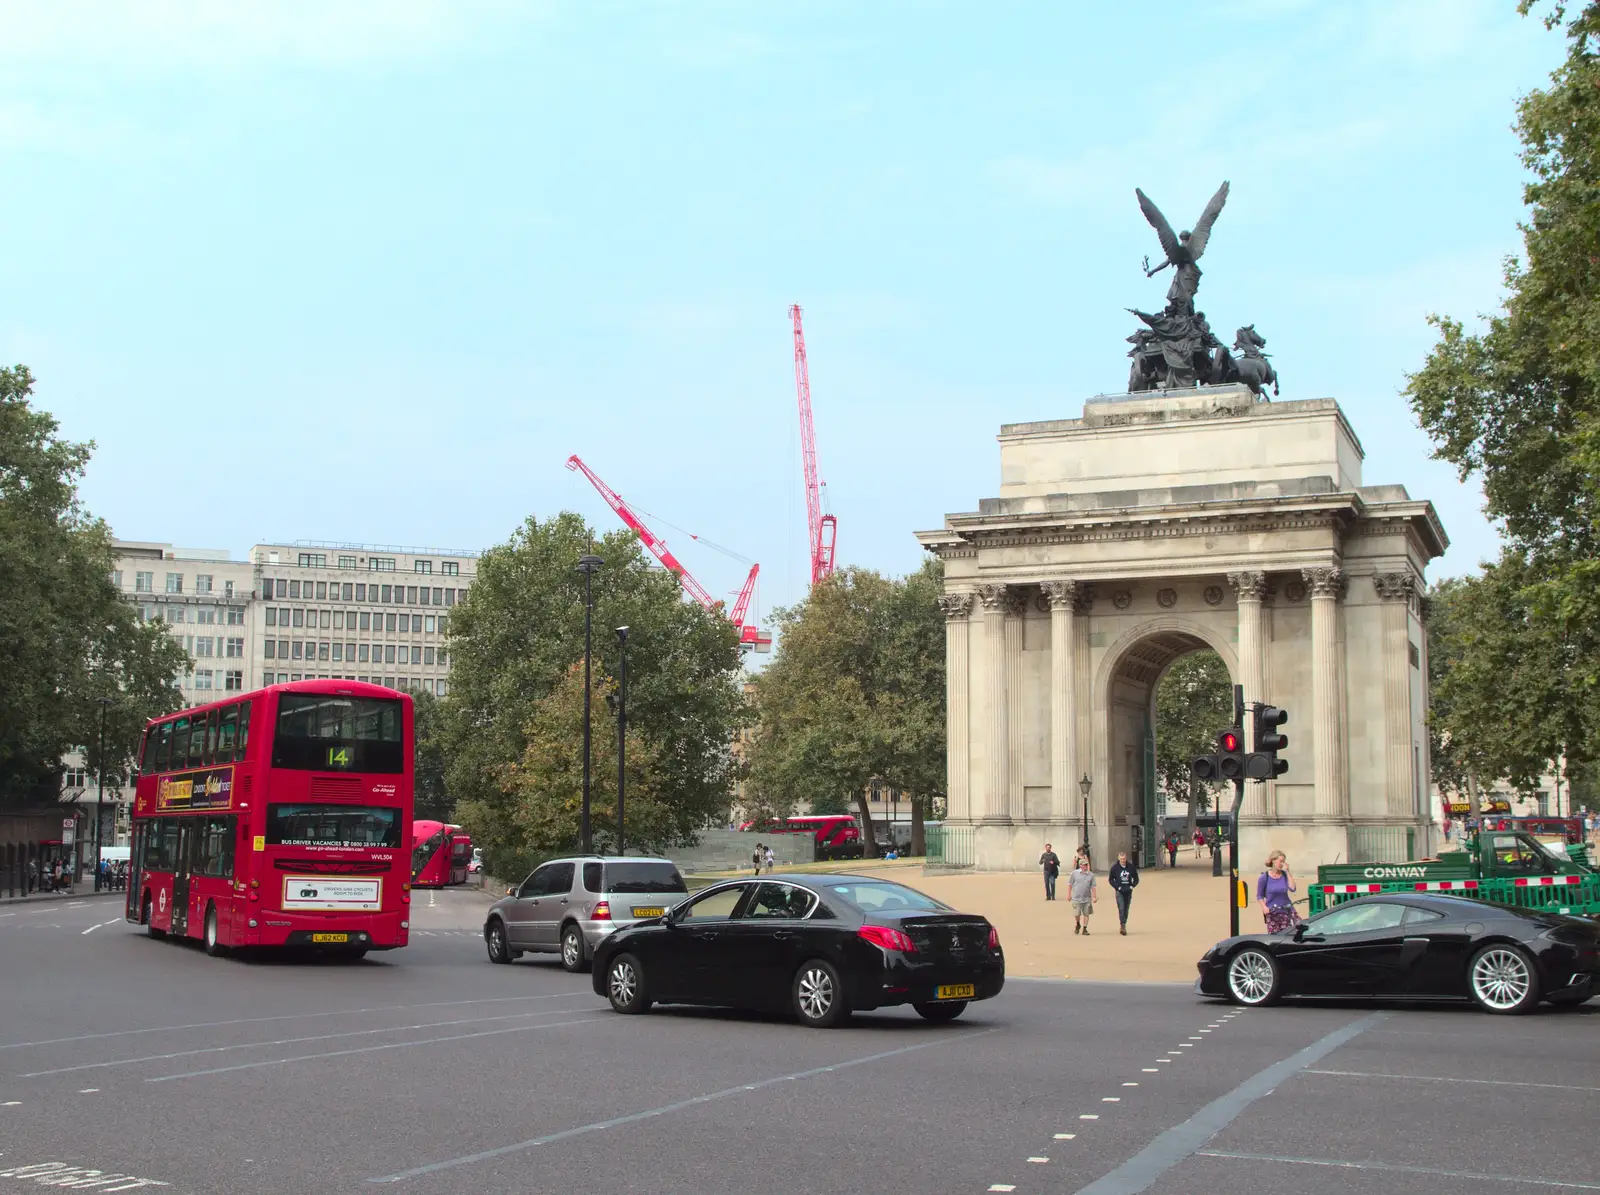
102, 925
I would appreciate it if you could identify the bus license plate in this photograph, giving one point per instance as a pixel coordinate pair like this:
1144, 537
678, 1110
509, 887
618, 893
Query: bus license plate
954, 991
330, 937
648, 911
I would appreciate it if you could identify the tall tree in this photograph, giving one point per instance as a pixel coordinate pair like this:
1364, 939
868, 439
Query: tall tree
519, 631
67, 639
856, 693
1518, 405
430, 789
1194, 700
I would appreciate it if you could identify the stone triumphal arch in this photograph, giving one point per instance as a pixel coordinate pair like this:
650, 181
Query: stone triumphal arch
1163, 523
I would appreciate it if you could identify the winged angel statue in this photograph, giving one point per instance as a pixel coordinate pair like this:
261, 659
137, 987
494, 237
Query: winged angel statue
1177, 348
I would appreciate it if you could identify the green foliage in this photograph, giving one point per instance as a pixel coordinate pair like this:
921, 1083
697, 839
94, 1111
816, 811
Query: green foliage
67, 639
514, 640
857, 691
428, 777
1518, 404
1194, 701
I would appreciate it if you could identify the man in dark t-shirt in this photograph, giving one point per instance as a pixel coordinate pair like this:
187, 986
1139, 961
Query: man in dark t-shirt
1050, 862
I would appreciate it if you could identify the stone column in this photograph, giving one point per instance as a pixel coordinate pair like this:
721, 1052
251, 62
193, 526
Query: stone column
1016, 802
957, 609
1252, 591
1062, 597
997, 722
1397, 591
1326, 584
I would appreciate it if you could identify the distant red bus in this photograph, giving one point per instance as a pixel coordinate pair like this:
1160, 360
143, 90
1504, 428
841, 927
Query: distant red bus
277, 818
439, 854
837, 834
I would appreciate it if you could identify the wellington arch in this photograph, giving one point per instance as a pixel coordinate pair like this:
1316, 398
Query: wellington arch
1162, 523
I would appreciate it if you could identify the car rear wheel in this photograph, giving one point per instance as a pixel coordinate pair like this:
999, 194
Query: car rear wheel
144, 918
495, 939
1503, 979
213, 946
1254, 978
625, 985
818, 995
940, 1011
574, 955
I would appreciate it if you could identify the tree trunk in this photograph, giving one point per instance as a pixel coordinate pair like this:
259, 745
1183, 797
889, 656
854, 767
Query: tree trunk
919, 845
869, 841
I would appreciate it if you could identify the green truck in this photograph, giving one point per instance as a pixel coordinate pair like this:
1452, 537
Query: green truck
1508, 867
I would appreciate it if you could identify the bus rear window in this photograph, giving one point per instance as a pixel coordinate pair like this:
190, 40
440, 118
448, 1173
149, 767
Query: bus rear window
333, 825
323, 732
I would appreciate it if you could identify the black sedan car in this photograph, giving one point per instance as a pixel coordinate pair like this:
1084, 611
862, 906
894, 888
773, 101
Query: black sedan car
1422, 947
819, 946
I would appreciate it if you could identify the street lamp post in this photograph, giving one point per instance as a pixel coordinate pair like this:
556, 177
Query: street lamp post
100, 792
622, 734
588, 564
1084, 786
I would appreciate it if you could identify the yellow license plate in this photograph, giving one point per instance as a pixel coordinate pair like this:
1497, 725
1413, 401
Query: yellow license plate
954, 991
330, 937
651, 911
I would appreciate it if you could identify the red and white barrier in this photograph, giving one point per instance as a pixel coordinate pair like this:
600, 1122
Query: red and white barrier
1546, 881
1447, 886
1333, 889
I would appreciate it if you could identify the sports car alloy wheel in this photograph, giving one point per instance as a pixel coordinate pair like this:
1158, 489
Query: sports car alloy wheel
1252, 977
817, 998
1502, 980
625, 986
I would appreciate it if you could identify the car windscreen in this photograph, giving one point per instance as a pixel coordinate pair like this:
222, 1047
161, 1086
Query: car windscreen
873, 896
327, 732
643, 877
333, 825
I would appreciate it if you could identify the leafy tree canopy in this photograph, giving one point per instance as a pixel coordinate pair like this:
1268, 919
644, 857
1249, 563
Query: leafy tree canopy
1194, 701
514, 641
67, 638
1518, 404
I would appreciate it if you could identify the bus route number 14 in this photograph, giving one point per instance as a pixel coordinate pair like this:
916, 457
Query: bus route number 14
338, 757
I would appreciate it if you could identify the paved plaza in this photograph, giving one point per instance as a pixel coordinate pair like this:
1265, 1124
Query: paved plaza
128, 1063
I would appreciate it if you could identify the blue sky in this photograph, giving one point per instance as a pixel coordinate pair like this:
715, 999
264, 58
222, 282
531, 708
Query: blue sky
372, 271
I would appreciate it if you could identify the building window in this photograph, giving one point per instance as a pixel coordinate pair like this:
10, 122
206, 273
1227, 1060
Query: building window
292, 676
438, 596
234, 680
347, 562
416, 655
202, 678
227, 590
322, 591
349, 653
449, 568
294, 589
443, 658
322, 651
380, 564
174, 613
366, 621
144, 582
282, 589
385, 598
405, 623
283, 678
422, 595
272, 616
236, 649
202, 583
206, 615
444, 625
449, 597
424, 566
299, 616
338, 620
411, 595
388, 622
438, 687
202, 645
236, 616
347, 591
174, 582
116, 577
338, 653
313, 560
147, 613
270, 652
361, 593
427, 623
362, 656
427, 655
388, 653
283, 649
327, 619
295, 649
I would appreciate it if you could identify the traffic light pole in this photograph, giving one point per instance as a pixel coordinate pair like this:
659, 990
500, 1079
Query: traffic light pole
1233, 826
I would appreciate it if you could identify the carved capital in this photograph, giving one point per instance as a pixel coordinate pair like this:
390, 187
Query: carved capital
1324, 582
1061, 595
1395, 587
956, 606
995, 598
1250, 586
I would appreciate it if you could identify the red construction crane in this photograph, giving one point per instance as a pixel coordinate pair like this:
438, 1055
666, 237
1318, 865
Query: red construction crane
823, 528
749, 636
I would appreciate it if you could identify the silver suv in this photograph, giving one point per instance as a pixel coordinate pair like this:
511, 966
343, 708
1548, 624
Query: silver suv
567, 905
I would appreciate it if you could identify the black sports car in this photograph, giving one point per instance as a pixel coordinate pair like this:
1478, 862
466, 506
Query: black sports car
820, 946
1422, 947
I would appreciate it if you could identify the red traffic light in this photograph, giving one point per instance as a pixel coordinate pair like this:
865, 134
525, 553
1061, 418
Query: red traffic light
1229, 741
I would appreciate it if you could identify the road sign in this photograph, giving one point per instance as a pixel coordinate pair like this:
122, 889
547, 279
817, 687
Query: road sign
69, 827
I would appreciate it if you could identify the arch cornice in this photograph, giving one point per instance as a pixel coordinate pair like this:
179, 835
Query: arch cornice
1180, 623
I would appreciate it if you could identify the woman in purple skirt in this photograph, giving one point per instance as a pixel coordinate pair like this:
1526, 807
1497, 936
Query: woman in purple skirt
1273, 894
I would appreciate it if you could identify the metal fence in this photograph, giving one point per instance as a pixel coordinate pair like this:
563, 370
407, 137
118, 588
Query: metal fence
951, 846
1576, 895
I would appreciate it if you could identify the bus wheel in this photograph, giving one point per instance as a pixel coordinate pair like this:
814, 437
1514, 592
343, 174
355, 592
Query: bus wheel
213, 946
356, 955
144, 919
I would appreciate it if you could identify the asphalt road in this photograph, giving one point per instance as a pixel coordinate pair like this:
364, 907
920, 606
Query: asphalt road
128, 1063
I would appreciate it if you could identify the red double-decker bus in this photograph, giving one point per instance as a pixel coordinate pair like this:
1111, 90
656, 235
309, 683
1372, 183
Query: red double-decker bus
838, 835
277, 818
439, 854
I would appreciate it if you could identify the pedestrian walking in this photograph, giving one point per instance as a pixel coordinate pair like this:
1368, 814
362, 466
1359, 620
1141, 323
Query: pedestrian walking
1199, 843
1123, 878
1274, 894
1083, 893
33, 876
1172, 849
1050, 863
767, 857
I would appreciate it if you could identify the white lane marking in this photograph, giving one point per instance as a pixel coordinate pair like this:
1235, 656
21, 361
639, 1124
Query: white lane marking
1448, 1079
289, 1041
1111, 1099
1183, 1045
1002, 1187
7, 914
397, 1045
1151, 1070
1391, 1167
1163, 1060
294, 1016
1089, 1116
88, 1090
1130, 1084
1194, 1039
1066, 1136
102, 925
431, 895
60, 1174
1202, 1031
1038, 1160
78, 905
10, 1104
